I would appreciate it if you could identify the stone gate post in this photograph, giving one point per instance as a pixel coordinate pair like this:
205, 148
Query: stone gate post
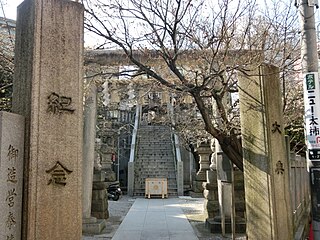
48, 93
266, 171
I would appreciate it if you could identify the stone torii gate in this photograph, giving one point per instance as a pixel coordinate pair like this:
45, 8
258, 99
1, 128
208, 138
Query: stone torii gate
266, 171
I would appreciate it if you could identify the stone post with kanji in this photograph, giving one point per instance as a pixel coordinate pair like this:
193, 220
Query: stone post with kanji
11, 174
266, 168
48, 92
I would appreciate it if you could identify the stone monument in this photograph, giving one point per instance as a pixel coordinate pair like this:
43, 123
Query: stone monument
11, 174
266, 171
48, 85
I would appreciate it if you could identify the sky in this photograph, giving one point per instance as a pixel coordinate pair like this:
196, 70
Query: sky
10, 8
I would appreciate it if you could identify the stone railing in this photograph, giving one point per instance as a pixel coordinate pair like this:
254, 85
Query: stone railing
132, 152
178, 163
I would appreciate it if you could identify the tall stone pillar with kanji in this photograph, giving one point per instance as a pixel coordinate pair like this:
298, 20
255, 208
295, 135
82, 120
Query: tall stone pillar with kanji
48, 93
266, 167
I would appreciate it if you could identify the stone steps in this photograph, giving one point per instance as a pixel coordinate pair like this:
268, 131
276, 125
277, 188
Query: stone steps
154, 158
149, 153
157, 162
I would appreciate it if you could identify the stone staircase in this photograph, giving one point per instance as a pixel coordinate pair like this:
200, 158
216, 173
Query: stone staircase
154, 158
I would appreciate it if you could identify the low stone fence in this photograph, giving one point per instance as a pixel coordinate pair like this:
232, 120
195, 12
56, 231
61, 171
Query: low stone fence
300, 193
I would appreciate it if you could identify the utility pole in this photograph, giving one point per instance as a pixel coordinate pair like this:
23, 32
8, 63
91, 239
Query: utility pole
311, 86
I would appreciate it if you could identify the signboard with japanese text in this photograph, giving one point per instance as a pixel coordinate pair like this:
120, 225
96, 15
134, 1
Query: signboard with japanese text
312, 114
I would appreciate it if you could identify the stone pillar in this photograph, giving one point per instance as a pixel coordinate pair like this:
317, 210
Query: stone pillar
89, 137
90, 223
211, 203
130, 178
48, 93
224, 176
11, 174
107, 151
266, 172
99, 205
99, 196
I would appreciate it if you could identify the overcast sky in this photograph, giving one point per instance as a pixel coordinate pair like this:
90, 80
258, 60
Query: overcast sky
10, 8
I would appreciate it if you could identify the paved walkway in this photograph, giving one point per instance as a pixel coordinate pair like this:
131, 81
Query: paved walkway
155, 219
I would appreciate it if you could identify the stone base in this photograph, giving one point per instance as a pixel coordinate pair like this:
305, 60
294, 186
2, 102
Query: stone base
201, 176
99, 205
100, 185
101, 215
99, 194
214, 225
211, 208
196, 194
89, 220
99, 176
197, 186
110, 175
94, 228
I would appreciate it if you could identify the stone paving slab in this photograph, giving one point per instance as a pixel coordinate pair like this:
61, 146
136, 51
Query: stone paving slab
158, 219
178, 209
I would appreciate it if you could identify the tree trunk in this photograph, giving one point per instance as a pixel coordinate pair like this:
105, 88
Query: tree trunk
231, 149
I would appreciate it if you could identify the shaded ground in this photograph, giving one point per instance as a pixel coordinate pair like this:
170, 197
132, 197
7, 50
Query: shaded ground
117, 211
192, 208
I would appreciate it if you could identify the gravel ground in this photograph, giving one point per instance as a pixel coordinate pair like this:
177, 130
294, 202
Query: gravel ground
192, 208
120, 207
